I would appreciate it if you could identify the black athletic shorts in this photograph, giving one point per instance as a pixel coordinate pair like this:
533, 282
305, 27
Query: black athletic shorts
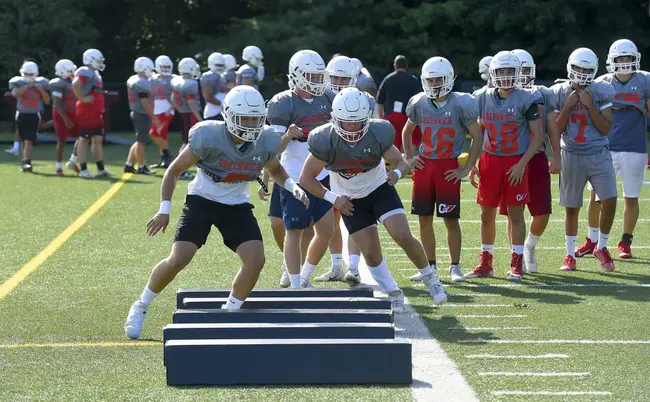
373, 207
27, 125
236, 223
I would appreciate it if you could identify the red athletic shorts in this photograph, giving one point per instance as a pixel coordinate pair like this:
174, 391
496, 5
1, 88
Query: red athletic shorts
432, 192
166, 120
494, 185
90, 119
398, 120
63, 132
188, 120
539, 184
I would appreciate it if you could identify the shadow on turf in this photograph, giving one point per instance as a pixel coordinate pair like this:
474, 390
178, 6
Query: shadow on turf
310, 386
113, 179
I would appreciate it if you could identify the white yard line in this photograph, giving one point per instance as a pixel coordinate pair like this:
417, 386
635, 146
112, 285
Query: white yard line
532, 374
552, 393
514, 357
561, 341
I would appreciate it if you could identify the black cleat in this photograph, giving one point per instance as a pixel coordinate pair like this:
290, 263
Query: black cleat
145, 170
129, 169
25, 167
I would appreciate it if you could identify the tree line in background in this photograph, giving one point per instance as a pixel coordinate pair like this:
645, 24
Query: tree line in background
371, 30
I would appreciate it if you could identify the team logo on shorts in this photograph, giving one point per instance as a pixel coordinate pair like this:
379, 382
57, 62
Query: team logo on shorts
445, 209
521, 197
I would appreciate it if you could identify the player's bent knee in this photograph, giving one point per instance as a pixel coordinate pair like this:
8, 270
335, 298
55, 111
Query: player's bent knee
452, 223
373, 260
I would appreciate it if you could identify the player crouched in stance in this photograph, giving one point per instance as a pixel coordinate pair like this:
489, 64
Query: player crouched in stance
228, 155
508, 115
584, 116
445, 118
351, 147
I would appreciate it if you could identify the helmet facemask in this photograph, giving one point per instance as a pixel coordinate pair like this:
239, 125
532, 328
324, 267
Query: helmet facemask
310, 82
581, 75
435, 87
527, 76
624, 64
505, 77
244, 127
351, 134
337, 82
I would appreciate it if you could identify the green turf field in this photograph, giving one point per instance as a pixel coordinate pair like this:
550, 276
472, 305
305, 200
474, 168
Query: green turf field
76, 302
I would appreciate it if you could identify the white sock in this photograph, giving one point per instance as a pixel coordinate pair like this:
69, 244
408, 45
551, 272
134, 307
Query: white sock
428, 270
295, 281
337, 261
17, 145
518, 249
73, 158
602, 241
593, 234
570, 245
59, 165
384, 279
129, 164
354, 263
233, 303
147, 296
307, 270
488, 247
531, 240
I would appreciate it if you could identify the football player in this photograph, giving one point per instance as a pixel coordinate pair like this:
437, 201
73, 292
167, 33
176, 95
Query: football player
161, 87
211, 84
445, 118
31, 92
142, 114
584, 116
353, 148
364, 81
63, 113
228, 155
251, 73
627, 139
185, 97
230, 76
508, 115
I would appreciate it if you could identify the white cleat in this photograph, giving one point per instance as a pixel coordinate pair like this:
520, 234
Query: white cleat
334, 274
352, 278
530, 260
456, 274
86, 174
397, 301
285, 282
437, 291
137, 314
13, 151
305, 284
416, 277
72, 166
104, 172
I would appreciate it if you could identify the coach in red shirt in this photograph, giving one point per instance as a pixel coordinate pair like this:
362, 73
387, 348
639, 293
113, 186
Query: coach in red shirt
395, 91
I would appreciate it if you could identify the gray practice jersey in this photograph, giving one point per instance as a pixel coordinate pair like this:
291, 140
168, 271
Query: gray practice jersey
185, 89
366, 83
63, 89
229, 78
213, 81
504, 121
161, 87
248, 73
31, 102
224, 167
138, 88
357, 169
580, 135
444, 128
548, 107
287, 108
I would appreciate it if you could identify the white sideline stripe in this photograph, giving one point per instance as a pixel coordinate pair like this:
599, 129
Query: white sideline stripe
546, 356
452, 305
549, 285
561, 341
472, 295
552, 393
435, 375
503, 221
458, 328
483, 316
532, 374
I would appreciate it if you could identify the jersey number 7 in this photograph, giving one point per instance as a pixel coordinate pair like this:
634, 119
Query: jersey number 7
581, 119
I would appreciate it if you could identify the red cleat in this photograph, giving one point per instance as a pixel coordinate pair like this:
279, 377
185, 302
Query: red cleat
516, 267
605, 259
587, 248
624, 249
484, 268
59, 172
569, 264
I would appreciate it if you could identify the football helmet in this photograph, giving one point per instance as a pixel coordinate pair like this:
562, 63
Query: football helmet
484, 68
306, 72
95, 59
351, 106
622, 48
340, 67
505, 69
164, 65
143, 65
244, 112
29, 71
252, 55
189, 66
527, 78
437, 67
217, 63
231, 62
64, 69
585, 59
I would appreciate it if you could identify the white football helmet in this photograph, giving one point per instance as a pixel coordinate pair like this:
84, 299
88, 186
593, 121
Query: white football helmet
340, 67
164, 65
231, 62
252, 55
359, 64
484, 68
244, 112
29, 71
95, 59
65, 69
622, 48
307, 71
437, 67
189, 66
585, 59
143, 65
505, 69
527, 79
217, 63
351, 106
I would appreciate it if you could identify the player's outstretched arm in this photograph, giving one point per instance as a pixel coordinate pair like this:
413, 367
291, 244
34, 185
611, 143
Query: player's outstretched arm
310, 170
185, 160
281, 177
